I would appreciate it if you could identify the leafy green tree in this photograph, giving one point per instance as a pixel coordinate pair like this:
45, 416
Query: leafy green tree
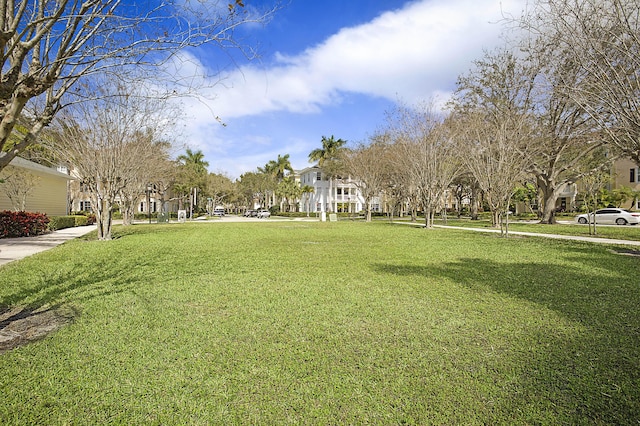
617, 197
289, 190
526, 194
282, 166
191, 173
220, 190
256, 187
278, 170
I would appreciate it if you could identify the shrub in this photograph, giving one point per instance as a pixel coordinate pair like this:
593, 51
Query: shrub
62, 222
91, 219
22, 224
85, 218
80, 220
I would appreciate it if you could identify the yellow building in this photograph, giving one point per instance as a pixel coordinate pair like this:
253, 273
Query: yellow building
43, 189
626, 173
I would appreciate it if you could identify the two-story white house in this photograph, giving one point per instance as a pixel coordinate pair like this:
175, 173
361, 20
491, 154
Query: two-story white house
338, 195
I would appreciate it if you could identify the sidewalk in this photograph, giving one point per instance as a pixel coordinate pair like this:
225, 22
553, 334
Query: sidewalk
557, 237
18, 248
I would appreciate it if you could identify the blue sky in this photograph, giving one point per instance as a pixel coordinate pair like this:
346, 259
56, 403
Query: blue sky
332, 67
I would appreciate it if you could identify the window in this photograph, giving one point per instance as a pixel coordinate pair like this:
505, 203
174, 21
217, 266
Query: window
632, 175
85, 206
319, 176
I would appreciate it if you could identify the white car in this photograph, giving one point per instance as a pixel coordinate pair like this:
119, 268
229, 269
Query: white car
611, 216
263, 214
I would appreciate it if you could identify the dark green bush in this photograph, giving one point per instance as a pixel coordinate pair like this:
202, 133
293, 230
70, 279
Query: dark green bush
81, 220
62, 222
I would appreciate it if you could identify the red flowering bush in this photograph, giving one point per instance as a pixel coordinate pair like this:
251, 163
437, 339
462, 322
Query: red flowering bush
22, 224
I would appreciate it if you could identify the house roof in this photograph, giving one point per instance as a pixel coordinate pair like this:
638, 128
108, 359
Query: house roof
30, 165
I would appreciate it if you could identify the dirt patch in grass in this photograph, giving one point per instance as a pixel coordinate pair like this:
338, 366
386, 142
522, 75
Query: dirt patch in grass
21, 325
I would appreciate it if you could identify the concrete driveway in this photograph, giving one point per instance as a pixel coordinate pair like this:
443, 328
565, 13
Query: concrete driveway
18, 248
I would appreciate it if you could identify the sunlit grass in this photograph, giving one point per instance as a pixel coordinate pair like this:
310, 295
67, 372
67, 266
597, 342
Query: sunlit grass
326, 323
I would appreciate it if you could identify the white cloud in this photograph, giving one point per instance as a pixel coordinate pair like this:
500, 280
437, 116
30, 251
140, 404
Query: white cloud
412, 54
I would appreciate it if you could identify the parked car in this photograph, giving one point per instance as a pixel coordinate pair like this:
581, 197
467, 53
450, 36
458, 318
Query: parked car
263, 214
249, 213
218, 212
611, 216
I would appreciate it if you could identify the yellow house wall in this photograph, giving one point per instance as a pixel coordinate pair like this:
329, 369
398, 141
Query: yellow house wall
622, 177
49, 195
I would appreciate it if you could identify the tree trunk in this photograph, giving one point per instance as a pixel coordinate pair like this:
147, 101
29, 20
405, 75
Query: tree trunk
473, 207
495, 218
127, 211
428, 215
104, 219
549, 197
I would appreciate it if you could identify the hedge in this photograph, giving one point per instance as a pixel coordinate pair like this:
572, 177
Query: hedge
22, 224
62, 222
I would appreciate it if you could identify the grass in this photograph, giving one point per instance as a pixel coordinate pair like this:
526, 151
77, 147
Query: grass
326, 323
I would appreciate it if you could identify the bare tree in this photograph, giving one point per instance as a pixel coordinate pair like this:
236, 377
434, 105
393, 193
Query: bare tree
593, 184
148, 179
492, 111
109, 142
48, 47
566, 136
17, 185
603, 39
367, 165
427, 155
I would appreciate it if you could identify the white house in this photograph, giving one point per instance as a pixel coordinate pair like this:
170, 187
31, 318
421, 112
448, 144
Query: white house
340, 195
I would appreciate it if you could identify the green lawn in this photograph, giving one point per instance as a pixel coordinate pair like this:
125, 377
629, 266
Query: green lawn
325, 323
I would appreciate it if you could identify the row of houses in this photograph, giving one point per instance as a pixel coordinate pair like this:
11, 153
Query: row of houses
54, 192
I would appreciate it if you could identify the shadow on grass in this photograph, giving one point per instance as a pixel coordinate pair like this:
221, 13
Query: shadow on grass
592, 376
58, 287
51, 293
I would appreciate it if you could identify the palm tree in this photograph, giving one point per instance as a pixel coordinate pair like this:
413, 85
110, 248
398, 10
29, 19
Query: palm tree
288, 189
327, 158
277, 169
192, 173
282, 165
194, 160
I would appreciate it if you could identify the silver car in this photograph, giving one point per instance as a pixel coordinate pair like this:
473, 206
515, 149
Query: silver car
611, 216
263, 214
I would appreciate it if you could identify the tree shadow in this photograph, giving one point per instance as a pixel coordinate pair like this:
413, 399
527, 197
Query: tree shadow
593, 375
56, 293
